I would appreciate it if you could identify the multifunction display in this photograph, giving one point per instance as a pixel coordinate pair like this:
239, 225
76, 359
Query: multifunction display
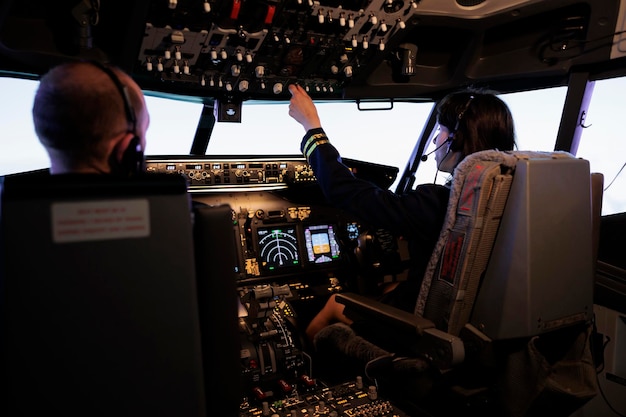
321, 244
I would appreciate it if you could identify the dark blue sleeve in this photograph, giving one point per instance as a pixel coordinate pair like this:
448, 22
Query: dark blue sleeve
417, 215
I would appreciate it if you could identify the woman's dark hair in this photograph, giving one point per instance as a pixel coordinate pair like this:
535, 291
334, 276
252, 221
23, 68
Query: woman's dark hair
478, 120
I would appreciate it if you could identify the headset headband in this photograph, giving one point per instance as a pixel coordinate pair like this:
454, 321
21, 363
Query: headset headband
128, 107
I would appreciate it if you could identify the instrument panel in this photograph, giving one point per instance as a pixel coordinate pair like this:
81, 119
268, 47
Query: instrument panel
284, 227
234, 50
234, 47
282, 235
230, 51
294, 249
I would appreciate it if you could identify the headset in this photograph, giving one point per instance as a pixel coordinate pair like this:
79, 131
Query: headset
133, 161
450, 138
458, 121
448, 141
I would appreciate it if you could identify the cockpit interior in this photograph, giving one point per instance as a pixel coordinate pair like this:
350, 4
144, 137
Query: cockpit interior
205, 315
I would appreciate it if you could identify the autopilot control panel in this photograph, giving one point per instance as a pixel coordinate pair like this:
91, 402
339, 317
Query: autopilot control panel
209, 174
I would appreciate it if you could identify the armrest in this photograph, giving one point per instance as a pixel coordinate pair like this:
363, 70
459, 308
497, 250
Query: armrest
443, 349
359, 306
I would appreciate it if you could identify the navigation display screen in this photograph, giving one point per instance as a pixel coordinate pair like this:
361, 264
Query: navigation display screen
278, 247
321, 245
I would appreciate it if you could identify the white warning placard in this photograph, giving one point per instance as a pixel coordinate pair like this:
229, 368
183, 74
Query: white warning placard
100, 220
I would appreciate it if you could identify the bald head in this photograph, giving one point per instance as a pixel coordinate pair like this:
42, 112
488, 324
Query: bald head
79, 115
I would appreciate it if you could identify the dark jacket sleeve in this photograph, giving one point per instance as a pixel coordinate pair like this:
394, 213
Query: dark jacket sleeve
417, 215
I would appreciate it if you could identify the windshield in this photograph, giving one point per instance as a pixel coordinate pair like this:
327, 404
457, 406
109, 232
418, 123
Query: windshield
385, 137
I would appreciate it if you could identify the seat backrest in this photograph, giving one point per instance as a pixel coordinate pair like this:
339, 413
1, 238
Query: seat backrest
507, 297
218, 301
517, 235
99, 302
597, 193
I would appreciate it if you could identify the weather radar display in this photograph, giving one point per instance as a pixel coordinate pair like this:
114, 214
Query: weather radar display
278, 248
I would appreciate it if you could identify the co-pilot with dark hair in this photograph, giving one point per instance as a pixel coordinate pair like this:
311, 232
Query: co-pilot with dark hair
91, 118
469, 121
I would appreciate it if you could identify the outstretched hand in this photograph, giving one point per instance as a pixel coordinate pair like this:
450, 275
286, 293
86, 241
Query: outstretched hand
302, 108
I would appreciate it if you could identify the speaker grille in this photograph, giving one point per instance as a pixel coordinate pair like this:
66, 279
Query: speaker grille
469, 3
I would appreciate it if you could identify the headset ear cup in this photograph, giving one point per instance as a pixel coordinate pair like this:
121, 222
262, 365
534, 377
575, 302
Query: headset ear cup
133, 158
132, 161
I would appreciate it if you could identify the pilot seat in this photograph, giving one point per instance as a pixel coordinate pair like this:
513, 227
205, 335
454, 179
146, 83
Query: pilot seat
104, 309
502, 325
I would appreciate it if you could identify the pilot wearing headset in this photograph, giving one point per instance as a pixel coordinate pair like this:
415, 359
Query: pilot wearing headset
469, 121
91, 118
